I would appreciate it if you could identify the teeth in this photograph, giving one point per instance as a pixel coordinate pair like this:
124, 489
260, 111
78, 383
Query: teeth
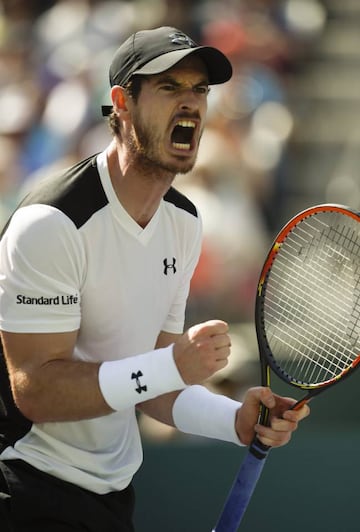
185, 123
181, 146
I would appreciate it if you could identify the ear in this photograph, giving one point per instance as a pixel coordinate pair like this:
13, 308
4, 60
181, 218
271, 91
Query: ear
119, 98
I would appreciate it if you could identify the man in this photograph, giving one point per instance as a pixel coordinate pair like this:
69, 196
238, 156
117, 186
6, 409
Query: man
95, 267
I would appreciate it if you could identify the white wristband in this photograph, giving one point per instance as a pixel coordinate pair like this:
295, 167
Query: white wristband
129, 381
198, 411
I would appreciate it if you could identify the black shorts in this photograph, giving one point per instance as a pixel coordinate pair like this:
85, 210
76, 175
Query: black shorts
31, 500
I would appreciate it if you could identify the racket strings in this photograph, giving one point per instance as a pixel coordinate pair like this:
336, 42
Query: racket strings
318, 313
311, 299
299, 349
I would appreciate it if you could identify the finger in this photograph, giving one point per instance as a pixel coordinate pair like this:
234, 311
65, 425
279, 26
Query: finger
283, 425
210, 328
221, 340
275, 442
217, 326
297, 415
221, 363
267, 398
272, 438
223, 355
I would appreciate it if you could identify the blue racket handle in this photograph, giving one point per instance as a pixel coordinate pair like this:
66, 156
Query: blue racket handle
242, 488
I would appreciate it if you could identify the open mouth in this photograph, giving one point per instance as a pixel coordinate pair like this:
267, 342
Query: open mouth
183, 134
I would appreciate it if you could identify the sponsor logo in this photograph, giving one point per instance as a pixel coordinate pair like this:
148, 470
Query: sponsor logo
65, 299
139, 387
169, 266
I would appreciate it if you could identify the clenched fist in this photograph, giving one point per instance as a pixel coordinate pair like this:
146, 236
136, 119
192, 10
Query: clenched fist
202, 351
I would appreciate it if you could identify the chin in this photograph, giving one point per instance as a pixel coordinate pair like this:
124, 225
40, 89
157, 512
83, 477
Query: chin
185, 169
180, 168
183, 165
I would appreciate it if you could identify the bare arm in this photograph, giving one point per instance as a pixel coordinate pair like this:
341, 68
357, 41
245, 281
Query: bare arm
47, 384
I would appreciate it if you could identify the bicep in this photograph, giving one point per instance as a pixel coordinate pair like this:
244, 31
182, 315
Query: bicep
30, 351
29, 355
26, 354
47, 383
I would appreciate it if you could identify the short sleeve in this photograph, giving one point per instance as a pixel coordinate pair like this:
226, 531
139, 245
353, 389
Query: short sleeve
41, 272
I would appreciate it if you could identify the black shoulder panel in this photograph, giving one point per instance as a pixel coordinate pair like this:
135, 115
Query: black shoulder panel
179, 200
77, 192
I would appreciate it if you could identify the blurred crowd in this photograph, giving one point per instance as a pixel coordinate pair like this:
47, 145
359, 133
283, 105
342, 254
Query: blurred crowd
54, 58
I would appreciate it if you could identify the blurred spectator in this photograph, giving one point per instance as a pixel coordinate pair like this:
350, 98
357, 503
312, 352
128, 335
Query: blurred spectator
53, 80
234, 233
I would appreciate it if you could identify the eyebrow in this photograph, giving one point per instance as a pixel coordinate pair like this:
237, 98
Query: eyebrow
169, 79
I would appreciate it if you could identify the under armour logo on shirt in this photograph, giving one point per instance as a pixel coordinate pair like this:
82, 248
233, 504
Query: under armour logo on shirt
169, 266
140, 388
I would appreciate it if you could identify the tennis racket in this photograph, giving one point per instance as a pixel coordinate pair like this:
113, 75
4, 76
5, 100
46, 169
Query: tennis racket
307, 318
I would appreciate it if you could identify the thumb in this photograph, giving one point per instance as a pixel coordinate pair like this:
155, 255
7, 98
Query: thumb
266, 397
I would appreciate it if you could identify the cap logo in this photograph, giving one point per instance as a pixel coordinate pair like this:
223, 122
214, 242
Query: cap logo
181, 38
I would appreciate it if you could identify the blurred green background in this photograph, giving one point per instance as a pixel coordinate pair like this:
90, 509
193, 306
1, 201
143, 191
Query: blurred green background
311, 484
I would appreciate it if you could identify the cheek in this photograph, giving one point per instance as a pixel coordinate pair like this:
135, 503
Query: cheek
203, 112
151, 119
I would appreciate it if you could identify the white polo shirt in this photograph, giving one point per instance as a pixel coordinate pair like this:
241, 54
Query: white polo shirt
72, 258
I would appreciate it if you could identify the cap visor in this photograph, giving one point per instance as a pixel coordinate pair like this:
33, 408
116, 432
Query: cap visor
218, 66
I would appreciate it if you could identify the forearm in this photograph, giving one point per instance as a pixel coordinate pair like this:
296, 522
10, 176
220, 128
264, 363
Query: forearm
61, 390
160, 408
51, 386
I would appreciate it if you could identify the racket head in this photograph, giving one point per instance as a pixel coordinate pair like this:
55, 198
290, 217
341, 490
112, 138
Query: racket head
307, 312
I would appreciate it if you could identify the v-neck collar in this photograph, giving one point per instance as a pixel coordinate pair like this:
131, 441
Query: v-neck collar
143, 235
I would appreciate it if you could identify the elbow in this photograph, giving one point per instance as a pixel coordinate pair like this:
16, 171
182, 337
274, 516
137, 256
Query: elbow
28, 410
25, 399
27, 407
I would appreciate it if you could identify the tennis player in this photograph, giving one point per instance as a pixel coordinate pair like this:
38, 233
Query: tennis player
95, 267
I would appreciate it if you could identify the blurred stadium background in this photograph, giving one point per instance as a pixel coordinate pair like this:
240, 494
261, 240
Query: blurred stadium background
282, 135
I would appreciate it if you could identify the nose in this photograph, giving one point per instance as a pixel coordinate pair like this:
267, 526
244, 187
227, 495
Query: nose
190, 100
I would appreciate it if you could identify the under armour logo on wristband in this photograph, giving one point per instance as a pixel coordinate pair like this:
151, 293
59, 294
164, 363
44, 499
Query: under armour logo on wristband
170, 266
137, 376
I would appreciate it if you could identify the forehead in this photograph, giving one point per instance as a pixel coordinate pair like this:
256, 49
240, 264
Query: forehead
191, 66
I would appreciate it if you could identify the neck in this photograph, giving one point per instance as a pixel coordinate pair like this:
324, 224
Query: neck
139, 187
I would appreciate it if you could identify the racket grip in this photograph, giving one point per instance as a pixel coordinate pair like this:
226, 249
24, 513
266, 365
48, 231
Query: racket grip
242, 488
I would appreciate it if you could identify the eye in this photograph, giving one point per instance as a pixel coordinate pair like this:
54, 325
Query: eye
202, 89
169, 88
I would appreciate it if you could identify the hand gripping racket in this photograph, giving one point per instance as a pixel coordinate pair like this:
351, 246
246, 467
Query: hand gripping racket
307, 319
